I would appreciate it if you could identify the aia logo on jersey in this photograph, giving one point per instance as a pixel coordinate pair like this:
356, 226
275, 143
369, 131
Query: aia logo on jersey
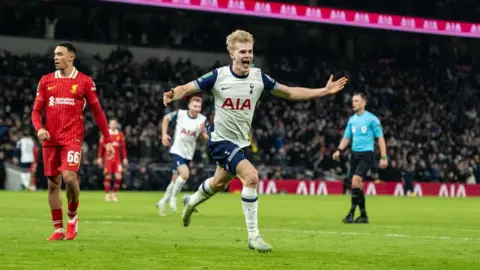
188, 132
116, 144
238, 104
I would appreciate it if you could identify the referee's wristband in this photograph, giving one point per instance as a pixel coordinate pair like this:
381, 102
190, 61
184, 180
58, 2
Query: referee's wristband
384, 157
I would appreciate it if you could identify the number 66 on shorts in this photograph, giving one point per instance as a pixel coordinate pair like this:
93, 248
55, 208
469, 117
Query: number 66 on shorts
61, 158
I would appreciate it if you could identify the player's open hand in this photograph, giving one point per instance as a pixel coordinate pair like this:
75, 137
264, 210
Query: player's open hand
43, 134
168, 97
166, 140
383, 163
110, 151
335, 86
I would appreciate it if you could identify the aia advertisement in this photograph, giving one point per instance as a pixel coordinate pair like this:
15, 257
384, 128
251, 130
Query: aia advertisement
323, 188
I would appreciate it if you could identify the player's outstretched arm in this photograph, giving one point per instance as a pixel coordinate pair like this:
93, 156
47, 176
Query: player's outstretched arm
179, 92
206, 82
302, 93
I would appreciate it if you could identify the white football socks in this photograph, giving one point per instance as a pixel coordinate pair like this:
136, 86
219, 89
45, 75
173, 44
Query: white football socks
203, 193
168, 193
179, 182
250, 209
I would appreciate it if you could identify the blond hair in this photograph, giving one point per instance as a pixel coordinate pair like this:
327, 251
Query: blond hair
238, 36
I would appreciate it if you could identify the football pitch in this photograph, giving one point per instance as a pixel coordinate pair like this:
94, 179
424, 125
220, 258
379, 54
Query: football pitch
305, 231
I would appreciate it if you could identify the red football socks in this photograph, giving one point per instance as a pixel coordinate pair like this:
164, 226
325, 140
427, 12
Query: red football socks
72, 209
106, 185
57, 218
116, 187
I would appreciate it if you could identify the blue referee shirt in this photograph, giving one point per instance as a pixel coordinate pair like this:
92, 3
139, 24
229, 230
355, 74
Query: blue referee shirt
362, 131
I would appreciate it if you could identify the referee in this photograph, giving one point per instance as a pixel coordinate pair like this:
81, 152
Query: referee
362, 129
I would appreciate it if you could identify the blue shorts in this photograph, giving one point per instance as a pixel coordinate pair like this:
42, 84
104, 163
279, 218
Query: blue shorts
225, 153
178, 161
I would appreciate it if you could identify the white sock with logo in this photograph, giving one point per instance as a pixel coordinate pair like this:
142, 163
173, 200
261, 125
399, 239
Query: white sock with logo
250, 210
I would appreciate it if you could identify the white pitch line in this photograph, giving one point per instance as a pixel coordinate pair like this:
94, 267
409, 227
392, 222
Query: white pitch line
108, 222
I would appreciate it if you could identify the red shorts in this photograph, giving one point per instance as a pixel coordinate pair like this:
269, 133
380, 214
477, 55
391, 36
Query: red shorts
112, 166
61, 158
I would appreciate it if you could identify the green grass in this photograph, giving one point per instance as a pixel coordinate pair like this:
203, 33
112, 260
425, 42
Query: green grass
306, 232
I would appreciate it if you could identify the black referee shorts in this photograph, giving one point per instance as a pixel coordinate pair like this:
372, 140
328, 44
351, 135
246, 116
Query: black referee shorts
360, 163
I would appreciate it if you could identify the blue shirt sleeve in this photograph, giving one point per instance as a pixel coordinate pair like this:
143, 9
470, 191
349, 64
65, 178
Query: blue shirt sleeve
377, 127
207, 81
268, 83
348, 130
173, 116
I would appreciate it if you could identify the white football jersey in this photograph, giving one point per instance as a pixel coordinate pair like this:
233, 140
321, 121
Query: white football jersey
186, 133
235, 101
26, 145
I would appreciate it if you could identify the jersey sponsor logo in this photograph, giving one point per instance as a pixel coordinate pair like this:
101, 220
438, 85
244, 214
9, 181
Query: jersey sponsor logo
52, 101
192, 133
115, 144
238, 104
74, 89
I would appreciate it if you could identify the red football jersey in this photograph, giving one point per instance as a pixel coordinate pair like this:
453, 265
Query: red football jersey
118, 141
63, 99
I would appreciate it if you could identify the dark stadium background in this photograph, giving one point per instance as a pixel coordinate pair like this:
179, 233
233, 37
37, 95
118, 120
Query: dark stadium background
423, 87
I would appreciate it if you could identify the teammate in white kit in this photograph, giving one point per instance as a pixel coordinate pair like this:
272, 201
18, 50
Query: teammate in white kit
25, 148
189, 126
236, 89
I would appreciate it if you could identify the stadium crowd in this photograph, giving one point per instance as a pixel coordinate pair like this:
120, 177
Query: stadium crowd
427, 103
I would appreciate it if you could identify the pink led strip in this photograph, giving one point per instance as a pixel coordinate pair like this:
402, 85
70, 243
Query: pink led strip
321, 15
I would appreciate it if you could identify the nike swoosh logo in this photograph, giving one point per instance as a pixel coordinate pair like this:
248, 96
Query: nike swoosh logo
51, 87
225, 88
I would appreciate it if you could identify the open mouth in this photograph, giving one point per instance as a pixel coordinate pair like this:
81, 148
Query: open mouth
246, 63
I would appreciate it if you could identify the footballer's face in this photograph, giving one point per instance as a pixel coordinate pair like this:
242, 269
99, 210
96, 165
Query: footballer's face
194, 108
113, 125
358, 103
63, 58
242, 57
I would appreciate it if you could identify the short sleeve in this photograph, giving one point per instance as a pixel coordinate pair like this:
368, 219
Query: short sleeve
268, 83
377, 127
348, 130
207, 81
173, 116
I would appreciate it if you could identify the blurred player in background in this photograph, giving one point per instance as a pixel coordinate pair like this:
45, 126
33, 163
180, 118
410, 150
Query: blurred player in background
25, 157
113, 166
189, 126
62, 97
362, 129
236, 89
